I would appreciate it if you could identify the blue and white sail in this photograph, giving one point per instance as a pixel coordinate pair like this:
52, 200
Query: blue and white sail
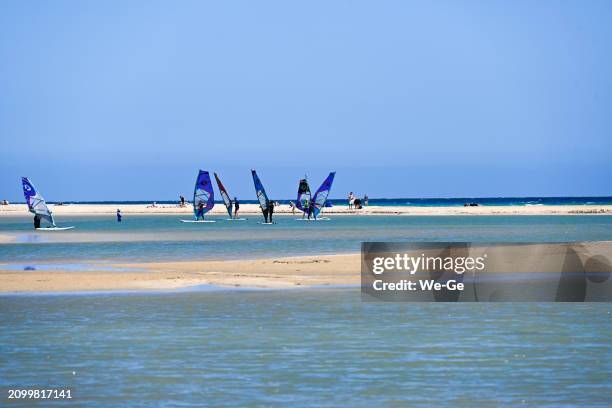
320, 197
260, 191
203, 195
36, 202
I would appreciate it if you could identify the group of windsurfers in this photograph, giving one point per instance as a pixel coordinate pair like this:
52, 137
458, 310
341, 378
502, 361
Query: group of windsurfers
204, 200
309, 210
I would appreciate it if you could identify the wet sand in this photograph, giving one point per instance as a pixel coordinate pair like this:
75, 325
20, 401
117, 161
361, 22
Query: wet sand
272, 273
262, 273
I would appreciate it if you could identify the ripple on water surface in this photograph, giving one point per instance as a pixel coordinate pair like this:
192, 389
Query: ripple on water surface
306, 347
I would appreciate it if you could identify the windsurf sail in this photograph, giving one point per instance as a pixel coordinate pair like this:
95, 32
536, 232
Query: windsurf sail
224, 195
36, 202
304, 196
259, 190
320, 197
203, 195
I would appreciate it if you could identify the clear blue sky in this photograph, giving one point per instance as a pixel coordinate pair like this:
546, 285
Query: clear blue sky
109, 100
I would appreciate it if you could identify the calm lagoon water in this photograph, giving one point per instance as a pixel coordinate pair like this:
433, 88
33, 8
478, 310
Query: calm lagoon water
305, 348
165, 238
316, 347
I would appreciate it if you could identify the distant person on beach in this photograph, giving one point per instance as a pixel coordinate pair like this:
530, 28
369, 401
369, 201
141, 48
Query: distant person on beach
118, 215
36, 221
4, 202
154, 205
292, 206
200, 214
351, 200
236, 207
357, 204
365, 200
182, 201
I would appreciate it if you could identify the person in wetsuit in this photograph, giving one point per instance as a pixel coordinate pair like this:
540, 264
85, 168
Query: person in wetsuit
236, 207
119, 215
36, 221
311, 210
270, 209
200, 214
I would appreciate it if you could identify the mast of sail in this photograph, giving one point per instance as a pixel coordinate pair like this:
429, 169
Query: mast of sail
259, 190
36, 202
203, 194
304, 196
224, 195
320, 196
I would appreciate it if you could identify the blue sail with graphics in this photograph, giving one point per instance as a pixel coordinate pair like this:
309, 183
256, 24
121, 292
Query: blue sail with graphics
260, 191
304, 197
36, 202
203, 195
320, 198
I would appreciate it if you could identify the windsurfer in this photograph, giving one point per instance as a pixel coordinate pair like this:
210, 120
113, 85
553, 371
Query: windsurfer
200, 214
270, 209
36, 221
311, 211
236, 207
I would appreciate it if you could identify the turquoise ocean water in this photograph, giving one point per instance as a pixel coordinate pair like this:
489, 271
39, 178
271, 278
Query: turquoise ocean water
305, 348
166, 238
315, 347
418, 202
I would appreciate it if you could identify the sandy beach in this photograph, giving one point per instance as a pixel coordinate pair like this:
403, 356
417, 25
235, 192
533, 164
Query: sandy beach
253, 209
271, 273
109, 274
